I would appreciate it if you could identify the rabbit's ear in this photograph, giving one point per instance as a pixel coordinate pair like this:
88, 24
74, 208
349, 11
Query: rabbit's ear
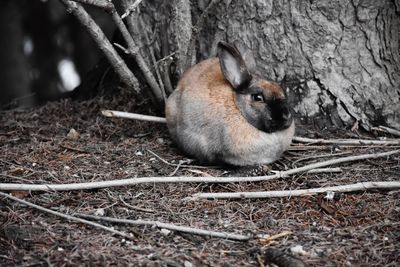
247, 55
233, 66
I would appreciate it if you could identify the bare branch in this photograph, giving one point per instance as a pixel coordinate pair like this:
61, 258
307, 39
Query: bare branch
182, 22
134, 51
131, 9
82, 15
196, 32
186, 179
170, 226
152, 58
66, 216
103, 43
301, 192
127, 115
103, 4
346, 141
386, 130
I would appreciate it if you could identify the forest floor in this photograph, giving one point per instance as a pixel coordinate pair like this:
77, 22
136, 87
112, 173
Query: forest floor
351, 229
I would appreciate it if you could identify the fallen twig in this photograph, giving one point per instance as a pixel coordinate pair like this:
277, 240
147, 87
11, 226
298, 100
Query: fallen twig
169, 226
320, 156
266, 241
66, 216
186, 179
127, 115
386, 130
346, 141
301, 192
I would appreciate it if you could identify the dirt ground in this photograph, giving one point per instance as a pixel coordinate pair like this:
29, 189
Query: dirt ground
352, 229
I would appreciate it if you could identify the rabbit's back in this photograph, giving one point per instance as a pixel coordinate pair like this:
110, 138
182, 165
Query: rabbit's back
197, 110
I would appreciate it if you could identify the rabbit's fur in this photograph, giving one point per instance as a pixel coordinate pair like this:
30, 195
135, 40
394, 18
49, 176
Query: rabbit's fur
220, 113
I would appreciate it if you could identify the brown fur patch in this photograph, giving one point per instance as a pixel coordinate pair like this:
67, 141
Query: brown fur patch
272, 88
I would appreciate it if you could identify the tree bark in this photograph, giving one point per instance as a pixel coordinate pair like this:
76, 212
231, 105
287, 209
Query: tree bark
338, 60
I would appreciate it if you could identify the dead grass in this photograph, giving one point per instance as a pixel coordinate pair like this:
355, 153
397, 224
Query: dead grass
354, 229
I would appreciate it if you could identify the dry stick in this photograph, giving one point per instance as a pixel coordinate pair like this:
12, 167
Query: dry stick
165, 64
134, 51
386, 130
103, 43
131, 9
131, 20
98, 3
320, 156
66, 216
196, 32
152, 57
301, 192
186, 179
346, 141
183, 26
133, 116
169, 226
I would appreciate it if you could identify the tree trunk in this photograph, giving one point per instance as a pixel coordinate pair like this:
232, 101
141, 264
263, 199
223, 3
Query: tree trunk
338, 60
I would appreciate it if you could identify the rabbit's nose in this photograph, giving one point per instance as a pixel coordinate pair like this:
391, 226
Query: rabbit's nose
287, 116
287, 119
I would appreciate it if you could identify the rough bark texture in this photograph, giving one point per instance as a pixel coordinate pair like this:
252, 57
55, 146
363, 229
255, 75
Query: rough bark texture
338, 60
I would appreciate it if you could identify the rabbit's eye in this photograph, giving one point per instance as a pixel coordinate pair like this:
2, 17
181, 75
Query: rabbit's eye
257, 97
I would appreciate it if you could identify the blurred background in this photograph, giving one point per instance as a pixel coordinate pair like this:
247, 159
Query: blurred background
44, 51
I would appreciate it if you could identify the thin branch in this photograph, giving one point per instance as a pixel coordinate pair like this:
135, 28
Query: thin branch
196, 33
169, 226
346, 141
186, 179
103, 4
301, 192
103, 43
152, 57
134, 51
182, 24
127, 115
165, 65
123, 49
386, 130
320, 156
131, 9
66, 216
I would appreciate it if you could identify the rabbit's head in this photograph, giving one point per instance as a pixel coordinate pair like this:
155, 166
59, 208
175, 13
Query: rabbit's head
262, 103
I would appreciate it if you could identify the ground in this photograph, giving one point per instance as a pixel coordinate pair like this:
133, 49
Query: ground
352, 229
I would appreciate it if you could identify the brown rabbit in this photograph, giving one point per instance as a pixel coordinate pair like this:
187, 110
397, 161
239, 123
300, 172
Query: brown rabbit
221, 113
